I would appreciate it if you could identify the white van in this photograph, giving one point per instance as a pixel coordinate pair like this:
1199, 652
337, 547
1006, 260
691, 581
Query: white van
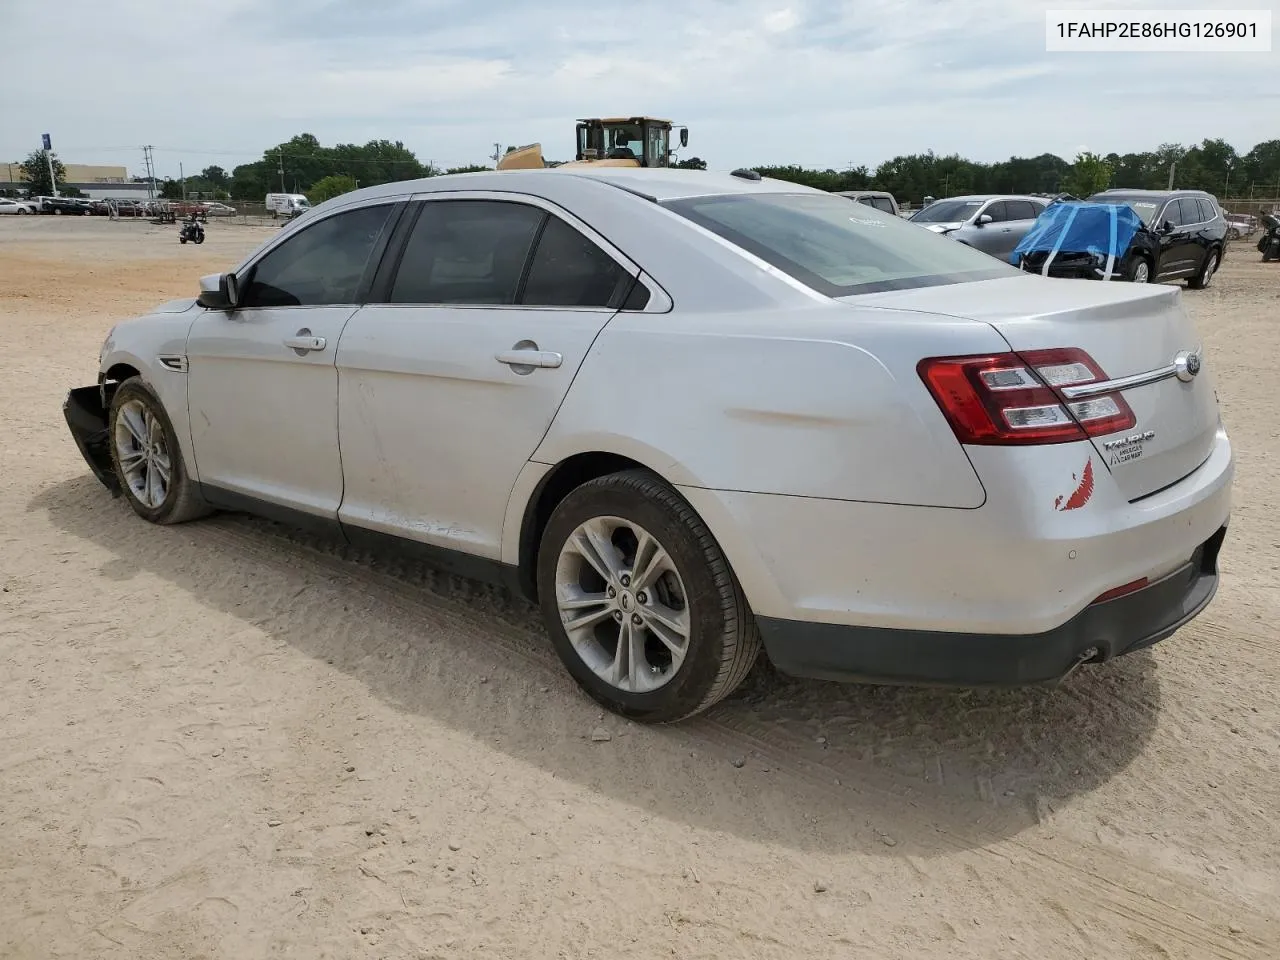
289, 204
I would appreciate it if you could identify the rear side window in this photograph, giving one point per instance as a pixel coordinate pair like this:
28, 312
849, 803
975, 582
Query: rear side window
883, 203
1207, 212
1020, 209
568, 270
466, 251
835, 248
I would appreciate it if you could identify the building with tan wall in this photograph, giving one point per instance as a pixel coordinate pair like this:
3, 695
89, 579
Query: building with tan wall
96, 181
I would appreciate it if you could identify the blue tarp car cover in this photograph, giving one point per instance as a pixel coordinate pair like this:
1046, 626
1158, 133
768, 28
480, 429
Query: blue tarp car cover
1103, 229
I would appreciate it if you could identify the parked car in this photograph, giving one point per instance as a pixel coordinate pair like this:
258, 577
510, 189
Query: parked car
691, 414
1190, 227
880, 199
217, 209
66, 205
8, 206
992, 224
1240, 225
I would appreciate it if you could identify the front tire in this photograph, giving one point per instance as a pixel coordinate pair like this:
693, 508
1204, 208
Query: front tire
1139, 270
1202, 279
641, 604
147, 459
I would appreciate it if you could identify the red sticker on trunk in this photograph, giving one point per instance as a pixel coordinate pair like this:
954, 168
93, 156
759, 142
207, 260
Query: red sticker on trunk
1081, 494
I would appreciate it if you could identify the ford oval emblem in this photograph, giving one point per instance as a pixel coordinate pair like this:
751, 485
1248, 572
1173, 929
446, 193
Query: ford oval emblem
1187, 364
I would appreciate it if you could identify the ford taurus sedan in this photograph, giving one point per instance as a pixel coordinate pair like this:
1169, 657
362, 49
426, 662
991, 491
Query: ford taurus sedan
693, 415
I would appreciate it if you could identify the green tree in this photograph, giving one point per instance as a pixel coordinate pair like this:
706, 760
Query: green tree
469, 168
1088, 175
326, 188
36, 168
216, 176
304, 162
693, 163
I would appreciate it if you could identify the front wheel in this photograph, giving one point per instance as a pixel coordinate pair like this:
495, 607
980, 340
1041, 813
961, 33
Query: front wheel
199, 238
642, 606
1139, 270
147, 459
1202, 279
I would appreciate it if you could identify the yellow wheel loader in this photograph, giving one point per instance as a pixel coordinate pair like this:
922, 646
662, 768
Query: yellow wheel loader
608, 142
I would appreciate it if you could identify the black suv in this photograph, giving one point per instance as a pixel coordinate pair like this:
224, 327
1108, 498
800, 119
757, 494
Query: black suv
1186, 238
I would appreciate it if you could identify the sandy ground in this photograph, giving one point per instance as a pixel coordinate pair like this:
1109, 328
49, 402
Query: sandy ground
230, 740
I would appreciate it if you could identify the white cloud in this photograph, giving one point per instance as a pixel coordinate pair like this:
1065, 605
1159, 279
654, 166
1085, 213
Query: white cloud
815, 82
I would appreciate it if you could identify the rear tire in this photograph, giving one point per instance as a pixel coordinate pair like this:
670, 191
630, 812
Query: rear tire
147, 459
667, 633
1205, 277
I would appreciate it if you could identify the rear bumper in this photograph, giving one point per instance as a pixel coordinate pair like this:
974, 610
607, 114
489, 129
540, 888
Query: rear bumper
1099, 632
87, 420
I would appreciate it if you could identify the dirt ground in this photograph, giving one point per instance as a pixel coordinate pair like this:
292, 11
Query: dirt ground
229, 740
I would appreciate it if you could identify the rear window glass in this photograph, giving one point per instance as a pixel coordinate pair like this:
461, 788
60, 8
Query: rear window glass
1142, 206
836, 248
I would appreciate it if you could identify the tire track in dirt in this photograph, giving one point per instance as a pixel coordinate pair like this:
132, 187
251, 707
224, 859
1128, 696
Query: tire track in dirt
1165, 907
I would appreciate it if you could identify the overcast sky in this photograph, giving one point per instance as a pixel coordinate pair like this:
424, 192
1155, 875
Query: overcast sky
822, 83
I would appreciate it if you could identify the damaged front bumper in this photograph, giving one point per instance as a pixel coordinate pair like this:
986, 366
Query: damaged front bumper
86, 416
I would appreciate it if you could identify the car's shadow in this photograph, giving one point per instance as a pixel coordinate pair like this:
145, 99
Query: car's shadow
810, 765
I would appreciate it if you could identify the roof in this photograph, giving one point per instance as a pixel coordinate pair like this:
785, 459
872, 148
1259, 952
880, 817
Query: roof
652, 183
621, 120
991, 196
1153, 194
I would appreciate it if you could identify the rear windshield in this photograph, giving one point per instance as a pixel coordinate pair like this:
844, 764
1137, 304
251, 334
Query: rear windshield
835, 247
1144, 207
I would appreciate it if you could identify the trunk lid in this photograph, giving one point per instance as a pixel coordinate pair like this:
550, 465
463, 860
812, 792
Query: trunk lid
1129, 330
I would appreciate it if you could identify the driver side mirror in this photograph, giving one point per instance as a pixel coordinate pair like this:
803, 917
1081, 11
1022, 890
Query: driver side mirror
983, 220
219, 291
684, 136
1166, 227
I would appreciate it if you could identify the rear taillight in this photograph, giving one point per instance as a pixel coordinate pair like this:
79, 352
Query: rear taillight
1014, 398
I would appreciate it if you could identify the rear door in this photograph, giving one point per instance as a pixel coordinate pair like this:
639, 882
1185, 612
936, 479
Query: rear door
448, 386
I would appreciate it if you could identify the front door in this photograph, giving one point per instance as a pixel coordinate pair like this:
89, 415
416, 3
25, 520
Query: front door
262, 385
993, 237
446, 390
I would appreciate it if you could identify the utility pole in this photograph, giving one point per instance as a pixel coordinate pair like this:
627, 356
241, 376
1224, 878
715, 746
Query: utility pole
183, 177
1172, 167
497, 153
47, 144
280, 155
151, 171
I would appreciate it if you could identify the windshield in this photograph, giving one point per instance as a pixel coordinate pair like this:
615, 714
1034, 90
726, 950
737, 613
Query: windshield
837, 248
948, 211
1144, 207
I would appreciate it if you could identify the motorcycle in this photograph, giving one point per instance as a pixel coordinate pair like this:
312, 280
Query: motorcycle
1269, 242
191, 231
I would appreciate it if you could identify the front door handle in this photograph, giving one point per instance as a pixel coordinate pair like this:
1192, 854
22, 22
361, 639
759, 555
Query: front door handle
530, 358
303, 342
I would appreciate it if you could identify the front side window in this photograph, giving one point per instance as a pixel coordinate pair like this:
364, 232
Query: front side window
321, 265
883, 203
835, 248
996, 211
466, 252
948, 211
1190, 211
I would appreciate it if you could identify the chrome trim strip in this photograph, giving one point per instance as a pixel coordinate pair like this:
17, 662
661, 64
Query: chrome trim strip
173, 362
1120, 383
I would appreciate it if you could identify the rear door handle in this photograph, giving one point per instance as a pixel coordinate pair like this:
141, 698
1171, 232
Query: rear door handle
530, 358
